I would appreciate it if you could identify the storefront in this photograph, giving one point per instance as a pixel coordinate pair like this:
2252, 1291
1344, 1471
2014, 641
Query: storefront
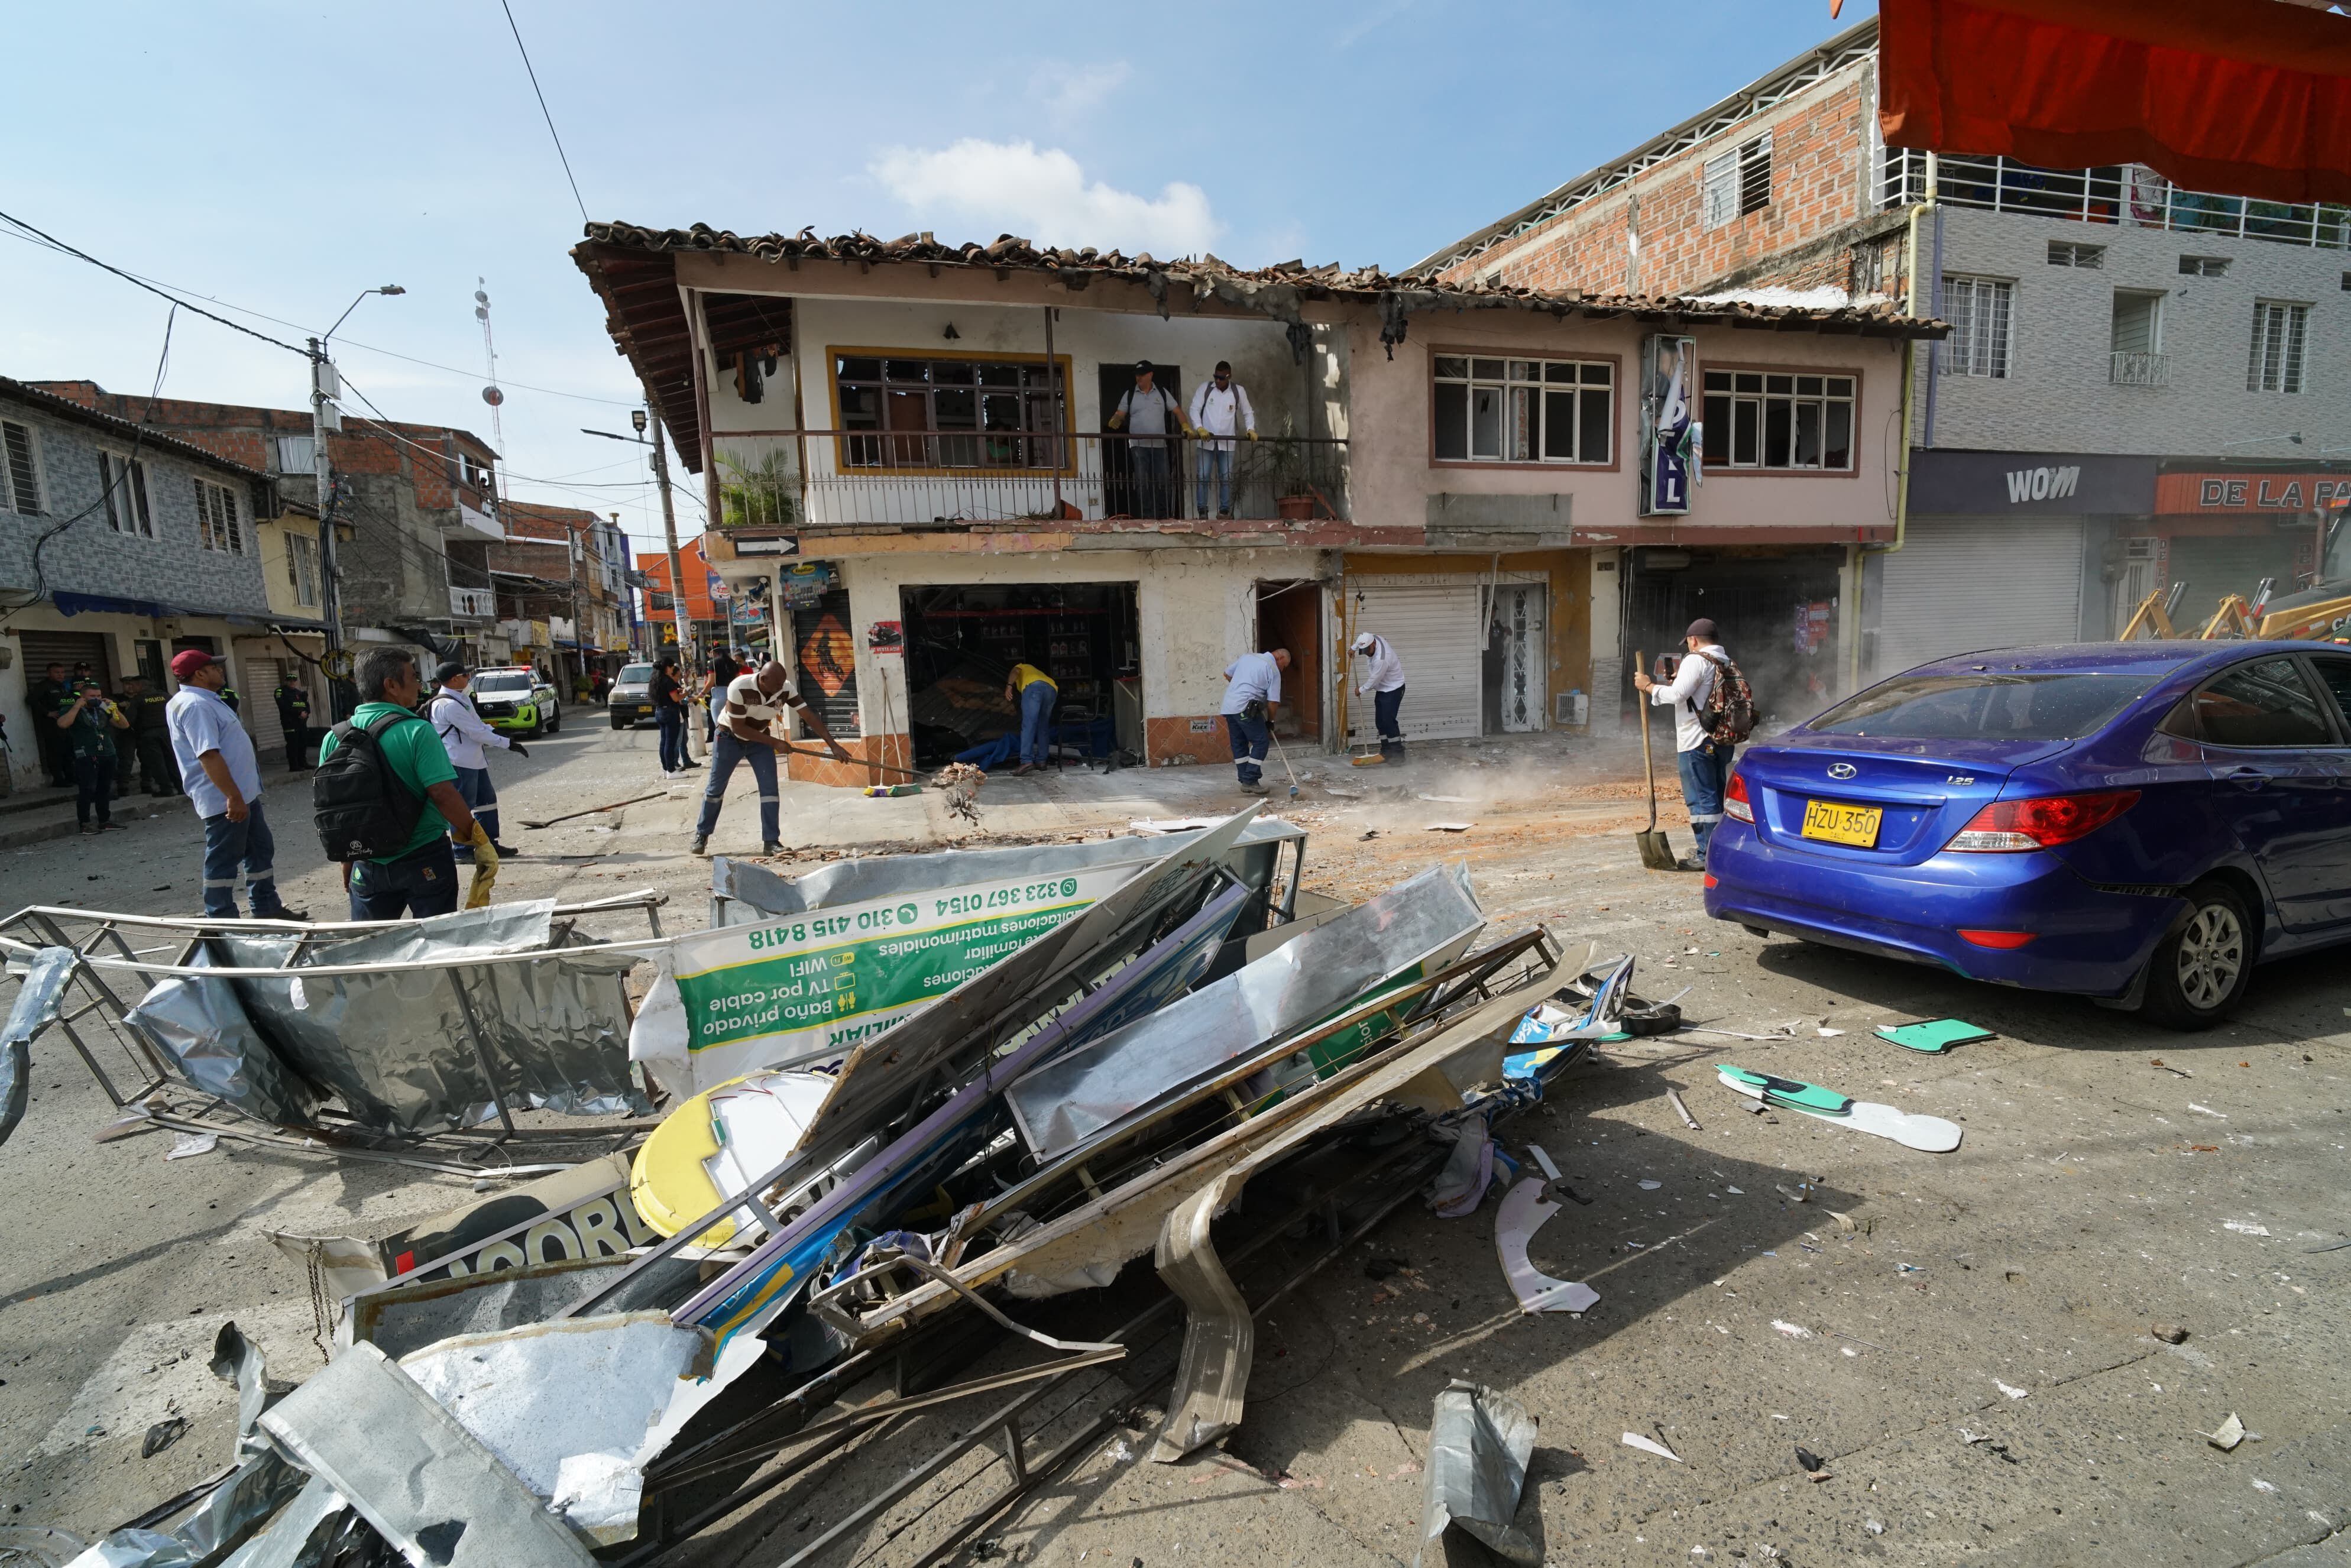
2003, 549
1777, 608
2218, 531
1491, 644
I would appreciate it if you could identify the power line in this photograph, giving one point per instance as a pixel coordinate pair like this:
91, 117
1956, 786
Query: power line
542, 107
340, 341
140, 283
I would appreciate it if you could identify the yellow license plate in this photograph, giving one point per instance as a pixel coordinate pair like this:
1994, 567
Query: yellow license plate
1843, 824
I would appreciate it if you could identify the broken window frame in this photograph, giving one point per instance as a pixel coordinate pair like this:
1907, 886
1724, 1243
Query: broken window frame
1737, 183
302, 567
1524, 394
21, 454
220, 521
905, 384
123, 479
1741, 405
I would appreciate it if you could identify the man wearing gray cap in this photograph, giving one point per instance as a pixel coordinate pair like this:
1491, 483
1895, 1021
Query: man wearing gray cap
463, 733
1699, 715
1149, 413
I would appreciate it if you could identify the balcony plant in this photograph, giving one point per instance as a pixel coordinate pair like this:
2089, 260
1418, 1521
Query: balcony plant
766, 496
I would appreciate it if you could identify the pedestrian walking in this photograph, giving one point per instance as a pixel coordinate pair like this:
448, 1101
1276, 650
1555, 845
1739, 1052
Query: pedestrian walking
1384, 680
47, 697
1714, 710
294, 718
88, 720
151, 734
1221, 410
385, 798
467, 736
223, 780
668, 697
1036, 693
1252, 700
754, 702
1148, 411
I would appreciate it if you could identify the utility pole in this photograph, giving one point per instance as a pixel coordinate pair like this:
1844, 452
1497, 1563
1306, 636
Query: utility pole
575, 552
325, 419
639, 418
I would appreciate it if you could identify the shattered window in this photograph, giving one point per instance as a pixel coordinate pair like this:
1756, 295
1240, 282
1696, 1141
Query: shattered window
947, 413
1523, 411
1762, 419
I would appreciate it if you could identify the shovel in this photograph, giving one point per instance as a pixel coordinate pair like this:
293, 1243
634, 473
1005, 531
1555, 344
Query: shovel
1656, 853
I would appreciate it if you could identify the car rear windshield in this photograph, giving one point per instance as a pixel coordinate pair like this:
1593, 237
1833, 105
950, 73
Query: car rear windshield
1985, 705
502, 684
635, 675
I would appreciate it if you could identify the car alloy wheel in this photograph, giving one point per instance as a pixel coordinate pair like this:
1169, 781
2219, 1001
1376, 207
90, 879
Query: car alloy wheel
2211, 956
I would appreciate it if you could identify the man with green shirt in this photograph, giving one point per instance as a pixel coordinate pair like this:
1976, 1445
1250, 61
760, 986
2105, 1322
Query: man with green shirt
419, 878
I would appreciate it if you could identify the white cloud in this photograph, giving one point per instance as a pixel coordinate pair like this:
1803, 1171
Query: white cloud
1069, 91
1042, 194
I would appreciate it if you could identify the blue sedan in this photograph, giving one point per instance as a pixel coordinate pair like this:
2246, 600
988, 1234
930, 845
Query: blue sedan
2140, 822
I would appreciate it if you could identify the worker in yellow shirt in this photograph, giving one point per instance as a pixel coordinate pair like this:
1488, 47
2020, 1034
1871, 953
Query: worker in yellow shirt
1034, 690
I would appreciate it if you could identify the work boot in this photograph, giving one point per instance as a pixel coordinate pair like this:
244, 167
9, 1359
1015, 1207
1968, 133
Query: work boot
1689, 862
771, 848
1025, 768
1254, 787
701, 844
505, 852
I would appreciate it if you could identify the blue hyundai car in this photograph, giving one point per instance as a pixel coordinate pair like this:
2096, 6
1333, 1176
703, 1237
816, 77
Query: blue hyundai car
2140, 822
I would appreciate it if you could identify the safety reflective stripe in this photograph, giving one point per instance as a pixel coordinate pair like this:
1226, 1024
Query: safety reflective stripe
230, 883
1706, 816
769, 799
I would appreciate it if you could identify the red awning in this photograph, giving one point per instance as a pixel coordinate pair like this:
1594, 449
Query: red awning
2248, 97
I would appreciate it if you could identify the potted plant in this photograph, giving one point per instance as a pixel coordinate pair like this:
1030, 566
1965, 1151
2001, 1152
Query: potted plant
1290, 467
766, 496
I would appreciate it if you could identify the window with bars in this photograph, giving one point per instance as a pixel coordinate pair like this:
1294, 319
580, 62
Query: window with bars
302, 567
1978, 309
1523, 411
1737, 182
124, 483
24, 475
951, 413
1779, 419
2279, 330
2073, 253
219, 524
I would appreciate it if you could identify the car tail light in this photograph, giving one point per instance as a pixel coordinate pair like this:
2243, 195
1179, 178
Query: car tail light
2041, 824
1997, 938
1712, 880
1734, 798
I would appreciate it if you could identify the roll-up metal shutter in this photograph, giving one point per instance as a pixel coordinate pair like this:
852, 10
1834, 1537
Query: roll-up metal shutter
1965, 583
1437, 632
2215, 567
42, 648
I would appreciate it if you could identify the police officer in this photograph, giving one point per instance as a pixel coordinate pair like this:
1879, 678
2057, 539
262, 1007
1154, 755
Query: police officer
47, 697
126, 739
294, 718
151, 734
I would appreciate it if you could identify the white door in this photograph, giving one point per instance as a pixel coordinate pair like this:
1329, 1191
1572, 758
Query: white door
1962, 584
2135, 581
1522, 635
1437, 632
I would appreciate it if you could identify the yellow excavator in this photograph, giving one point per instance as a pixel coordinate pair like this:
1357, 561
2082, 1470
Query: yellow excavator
2319, 614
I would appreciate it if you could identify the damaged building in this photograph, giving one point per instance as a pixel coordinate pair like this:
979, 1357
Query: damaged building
917, 448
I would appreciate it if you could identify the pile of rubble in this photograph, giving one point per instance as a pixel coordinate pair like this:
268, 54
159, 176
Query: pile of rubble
915, 1094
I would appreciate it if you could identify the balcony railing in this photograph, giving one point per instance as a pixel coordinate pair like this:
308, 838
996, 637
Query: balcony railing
953, 477
478, 603
2140, 370
2130, 194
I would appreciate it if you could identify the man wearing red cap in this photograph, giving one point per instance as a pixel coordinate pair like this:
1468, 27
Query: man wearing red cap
222, 779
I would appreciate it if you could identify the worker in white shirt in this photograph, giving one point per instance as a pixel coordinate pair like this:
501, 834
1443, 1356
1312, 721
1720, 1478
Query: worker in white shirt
1220, 411
462, 734
1384, 679
1703, 762
1252, 699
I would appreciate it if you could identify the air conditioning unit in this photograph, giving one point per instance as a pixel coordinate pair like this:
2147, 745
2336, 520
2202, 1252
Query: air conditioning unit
1570, 708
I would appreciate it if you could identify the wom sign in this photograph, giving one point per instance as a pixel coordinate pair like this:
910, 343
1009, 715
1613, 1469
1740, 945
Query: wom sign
2042, 484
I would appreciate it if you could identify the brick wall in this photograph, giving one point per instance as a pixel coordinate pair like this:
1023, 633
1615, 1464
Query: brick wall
1821, 143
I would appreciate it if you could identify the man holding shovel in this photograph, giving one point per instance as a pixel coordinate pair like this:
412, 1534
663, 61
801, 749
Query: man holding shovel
755, 701
1703, 757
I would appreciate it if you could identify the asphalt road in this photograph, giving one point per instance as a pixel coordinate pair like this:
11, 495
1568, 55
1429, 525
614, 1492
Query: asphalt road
2003, 1291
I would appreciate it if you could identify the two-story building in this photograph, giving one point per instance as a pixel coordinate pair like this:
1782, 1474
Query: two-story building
416, 506
2144, 385
929, 455
122, 545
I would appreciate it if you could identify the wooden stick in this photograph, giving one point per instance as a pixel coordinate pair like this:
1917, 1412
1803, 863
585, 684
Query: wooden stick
848, 761
1687, 1120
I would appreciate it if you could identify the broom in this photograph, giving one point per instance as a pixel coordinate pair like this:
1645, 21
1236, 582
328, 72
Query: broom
1657, 852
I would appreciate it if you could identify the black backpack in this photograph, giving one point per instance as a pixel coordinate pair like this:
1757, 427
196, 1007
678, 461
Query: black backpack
363, 811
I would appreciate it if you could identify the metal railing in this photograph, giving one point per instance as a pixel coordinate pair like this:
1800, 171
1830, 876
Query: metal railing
913, 478
2140, 370
2129, 194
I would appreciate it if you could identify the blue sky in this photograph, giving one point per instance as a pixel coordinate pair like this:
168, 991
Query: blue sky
280, 158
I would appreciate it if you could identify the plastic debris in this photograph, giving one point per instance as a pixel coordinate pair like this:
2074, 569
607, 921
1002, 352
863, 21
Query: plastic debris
187, 1146
1793, 1331
1480, 1442
2245, 1227
2011, 1391
1675, 1095
1451, 827
1650, 1445
1813, 1464
1524, 1211
1651, 1186
2227, 1434
1933, 1036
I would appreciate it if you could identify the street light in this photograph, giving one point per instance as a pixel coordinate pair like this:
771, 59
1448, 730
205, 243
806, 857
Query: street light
325, 417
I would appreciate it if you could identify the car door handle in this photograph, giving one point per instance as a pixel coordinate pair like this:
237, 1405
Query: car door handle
2249, 778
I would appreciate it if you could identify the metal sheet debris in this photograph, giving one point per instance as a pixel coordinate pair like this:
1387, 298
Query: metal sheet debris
1414, 928
1524, 1211
1480, 1442
39, 1000
201, 1028
363, 1425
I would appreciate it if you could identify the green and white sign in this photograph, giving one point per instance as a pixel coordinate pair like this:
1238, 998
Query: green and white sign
809, 987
